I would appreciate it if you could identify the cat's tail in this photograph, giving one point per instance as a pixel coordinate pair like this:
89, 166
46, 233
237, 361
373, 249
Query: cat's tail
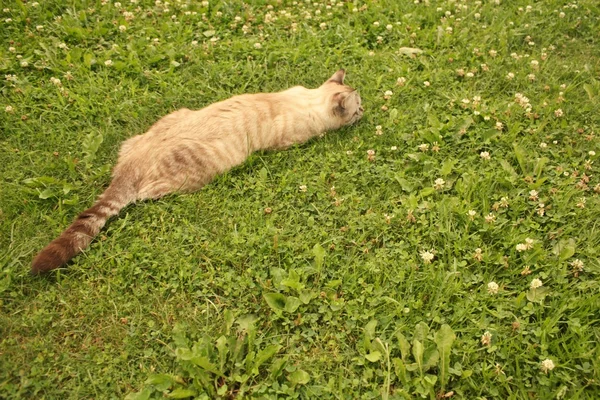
86, 226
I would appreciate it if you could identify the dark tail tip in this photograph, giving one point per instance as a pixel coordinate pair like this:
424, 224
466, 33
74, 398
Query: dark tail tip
47, 260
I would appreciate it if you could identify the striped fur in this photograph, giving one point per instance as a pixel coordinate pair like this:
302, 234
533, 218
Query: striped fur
186, 149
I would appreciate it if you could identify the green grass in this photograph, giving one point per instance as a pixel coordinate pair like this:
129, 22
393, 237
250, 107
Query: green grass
327, 296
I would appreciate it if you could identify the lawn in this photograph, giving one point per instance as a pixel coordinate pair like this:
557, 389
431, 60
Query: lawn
445, 247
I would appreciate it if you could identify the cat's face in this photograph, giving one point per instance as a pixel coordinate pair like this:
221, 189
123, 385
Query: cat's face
344, 101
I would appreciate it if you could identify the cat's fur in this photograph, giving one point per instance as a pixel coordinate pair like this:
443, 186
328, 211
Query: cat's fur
186, 149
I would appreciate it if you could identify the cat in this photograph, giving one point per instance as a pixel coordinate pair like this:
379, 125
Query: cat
186, 149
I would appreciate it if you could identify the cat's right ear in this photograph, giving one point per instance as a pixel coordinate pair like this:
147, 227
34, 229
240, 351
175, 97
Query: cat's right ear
338, 77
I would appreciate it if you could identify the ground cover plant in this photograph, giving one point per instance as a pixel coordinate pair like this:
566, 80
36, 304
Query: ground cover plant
445, 247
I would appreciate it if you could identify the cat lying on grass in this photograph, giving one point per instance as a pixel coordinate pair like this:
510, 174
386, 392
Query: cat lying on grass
186, 149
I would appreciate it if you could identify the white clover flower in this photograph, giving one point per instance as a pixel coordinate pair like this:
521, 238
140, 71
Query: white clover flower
533, 195
543, 145
24, 64
531, 77
427, 256
439, 184
499, 125
376, 24
12, 49
303, 188
401, 81
558, 113
521, 247
55, 81
469, 74
471, 214
536, 283
323, 25
547, 365
493, 53
486, 338
393, 148
122, 28
529, 243
485, 155
371, 152
577, 265
389, 27
39, 28
490, 218
9, 109
257, 45
388, 93
592, 153
427, 83
492, 287
349, 152
510, 76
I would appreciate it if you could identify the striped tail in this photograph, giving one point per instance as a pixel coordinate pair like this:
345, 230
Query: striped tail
82, 231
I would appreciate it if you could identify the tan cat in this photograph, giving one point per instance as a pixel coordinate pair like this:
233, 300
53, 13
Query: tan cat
186, 149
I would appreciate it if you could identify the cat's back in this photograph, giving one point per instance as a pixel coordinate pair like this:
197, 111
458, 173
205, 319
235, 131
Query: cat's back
237, 115
255, 103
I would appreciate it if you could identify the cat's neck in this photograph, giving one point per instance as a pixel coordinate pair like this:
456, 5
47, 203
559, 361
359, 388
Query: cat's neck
301, 115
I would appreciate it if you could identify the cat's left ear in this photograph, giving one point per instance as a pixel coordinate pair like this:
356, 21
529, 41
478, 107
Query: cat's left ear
339, 103
338, 77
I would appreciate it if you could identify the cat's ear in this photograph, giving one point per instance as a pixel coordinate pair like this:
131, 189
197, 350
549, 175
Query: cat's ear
338, 77
339, 103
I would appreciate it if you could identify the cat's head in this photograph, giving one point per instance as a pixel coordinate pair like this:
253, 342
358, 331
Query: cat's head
343, 100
